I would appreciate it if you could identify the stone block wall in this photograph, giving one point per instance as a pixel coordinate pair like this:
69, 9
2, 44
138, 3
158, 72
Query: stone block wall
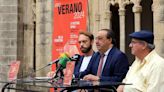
8, 35
44, 28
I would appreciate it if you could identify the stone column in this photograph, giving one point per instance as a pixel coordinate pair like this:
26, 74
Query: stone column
105, 14
106, 19
97, 16
96, 19
101, 12
122, 29
158, 21
43, 36
137, 9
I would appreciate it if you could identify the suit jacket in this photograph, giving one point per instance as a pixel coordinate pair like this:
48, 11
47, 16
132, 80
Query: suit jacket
78, 64
115, 68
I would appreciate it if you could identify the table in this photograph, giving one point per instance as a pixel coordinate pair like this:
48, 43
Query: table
81, 84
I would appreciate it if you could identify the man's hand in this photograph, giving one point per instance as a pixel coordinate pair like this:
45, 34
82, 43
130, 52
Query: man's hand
120, 88
91, 77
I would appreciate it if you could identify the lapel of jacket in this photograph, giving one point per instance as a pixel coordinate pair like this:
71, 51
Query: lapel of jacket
109, 59
79, 63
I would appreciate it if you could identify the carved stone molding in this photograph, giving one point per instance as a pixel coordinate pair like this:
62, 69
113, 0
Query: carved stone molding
106, 15
123, 3
122, 12
137, 9
161, 13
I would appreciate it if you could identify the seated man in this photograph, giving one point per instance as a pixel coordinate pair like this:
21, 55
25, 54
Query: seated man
147, 71
109, 63
85, 40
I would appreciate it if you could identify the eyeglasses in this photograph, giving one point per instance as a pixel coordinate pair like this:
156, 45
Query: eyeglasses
135, 42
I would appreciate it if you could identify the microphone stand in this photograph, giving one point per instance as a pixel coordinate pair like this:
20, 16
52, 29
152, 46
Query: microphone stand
59, 73
45, 66
5, 86
9, 83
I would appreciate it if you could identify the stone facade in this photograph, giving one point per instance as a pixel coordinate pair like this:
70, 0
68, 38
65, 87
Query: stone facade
102, 18
158, 9
8, 35
44, 26
26, 29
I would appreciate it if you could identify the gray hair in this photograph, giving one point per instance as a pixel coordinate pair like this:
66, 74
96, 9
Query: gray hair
150, 46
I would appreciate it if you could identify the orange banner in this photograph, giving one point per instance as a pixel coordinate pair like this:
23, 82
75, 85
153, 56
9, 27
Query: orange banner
70, 16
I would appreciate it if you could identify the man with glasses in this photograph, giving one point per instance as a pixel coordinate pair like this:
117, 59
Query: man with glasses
147, 72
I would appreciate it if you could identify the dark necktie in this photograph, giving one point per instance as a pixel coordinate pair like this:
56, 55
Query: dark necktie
100, 64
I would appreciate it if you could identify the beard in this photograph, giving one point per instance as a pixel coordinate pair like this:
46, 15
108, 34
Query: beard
86, 49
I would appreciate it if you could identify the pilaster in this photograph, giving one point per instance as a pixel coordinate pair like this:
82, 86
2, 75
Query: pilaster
122, 28
137, 9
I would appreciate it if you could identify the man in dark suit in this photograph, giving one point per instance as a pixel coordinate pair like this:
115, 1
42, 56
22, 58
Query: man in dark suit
86, 40
115, 63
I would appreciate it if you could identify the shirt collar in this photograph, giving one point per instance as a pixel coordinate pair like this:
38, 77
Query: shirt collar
150, 55
147, 58
107, 52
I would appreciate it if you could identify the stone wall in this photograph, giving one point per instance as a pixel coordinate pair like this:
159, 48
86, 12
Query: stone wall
8, 35
44, 28
26, 31
158, 9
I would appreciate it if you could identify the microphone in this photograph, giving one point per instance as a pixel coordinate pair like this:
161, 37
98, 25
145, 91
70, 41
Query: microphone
63, 60
62, 63
57, 60
76, 57
54, 61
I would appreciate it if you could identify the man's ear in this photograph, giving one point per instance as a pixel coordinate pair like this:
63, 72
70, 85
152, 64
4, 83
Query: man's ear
110, 40
144, 45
